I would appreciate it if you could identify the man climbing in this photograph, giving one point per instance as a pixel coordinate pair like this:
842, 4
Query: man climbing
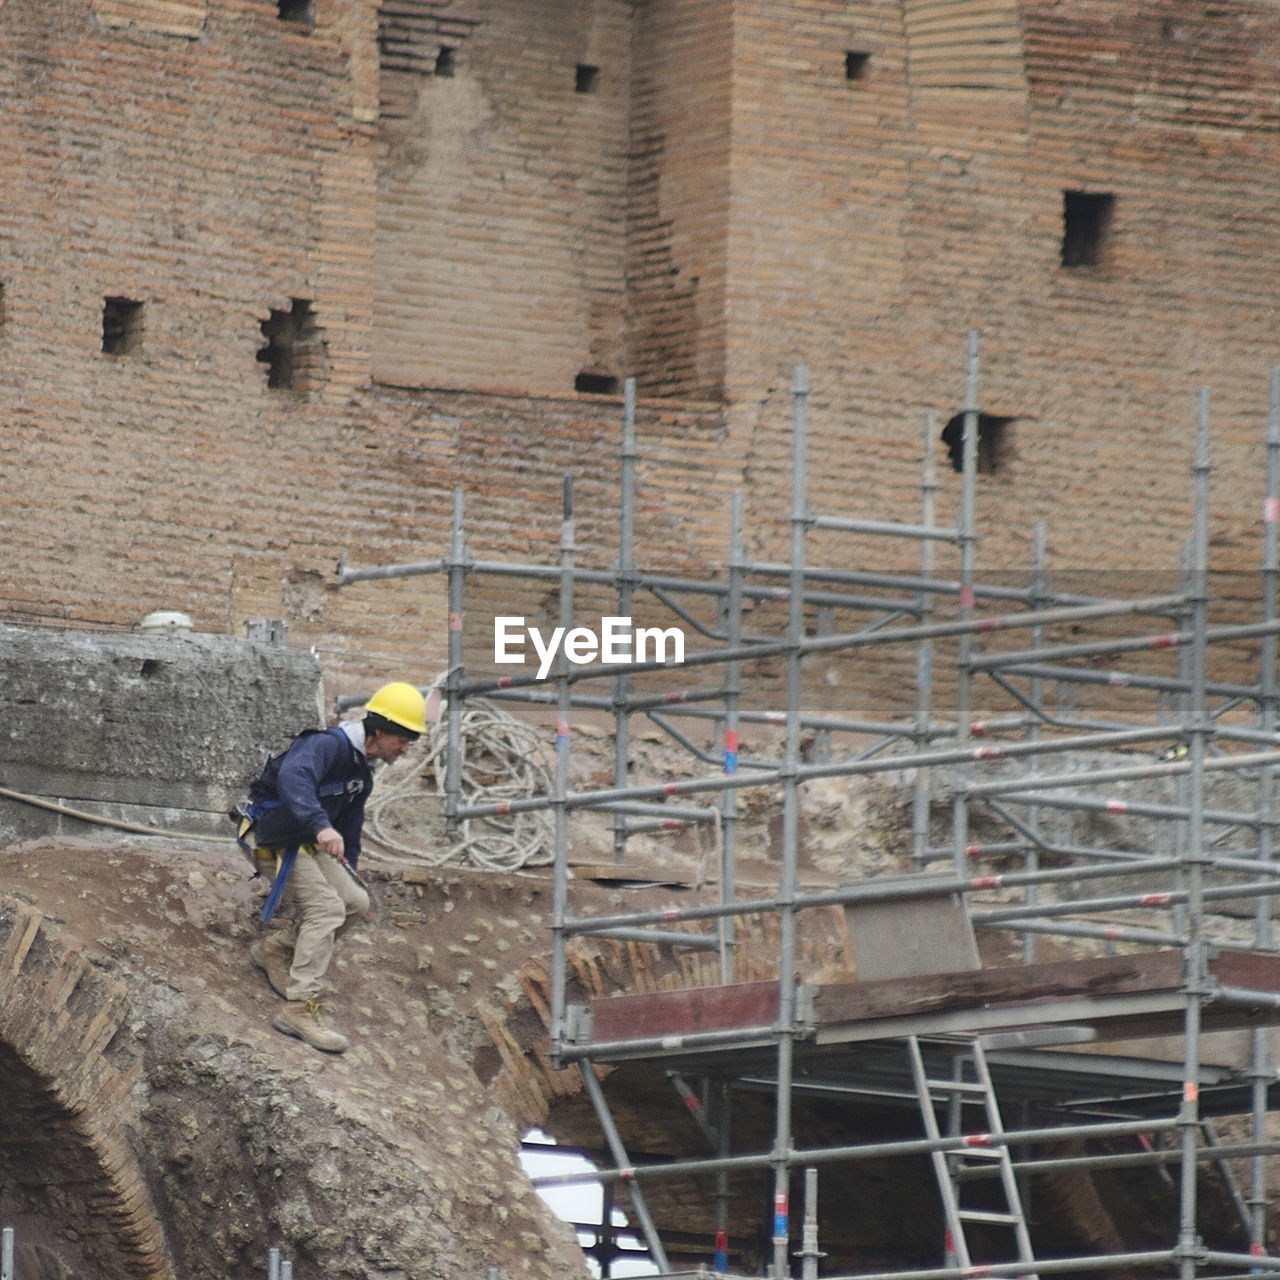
303, 822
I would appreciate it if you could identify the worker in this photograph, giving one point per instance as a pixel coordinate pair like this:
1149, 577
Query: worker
302, 824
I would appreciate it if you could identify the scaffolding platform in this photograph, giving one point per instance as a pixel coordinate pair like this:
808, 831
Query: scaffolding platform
1114, 997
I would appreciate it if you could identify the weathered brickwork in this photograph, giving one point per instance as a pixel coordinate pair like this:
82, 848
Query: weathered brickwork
66, 1103
449, 214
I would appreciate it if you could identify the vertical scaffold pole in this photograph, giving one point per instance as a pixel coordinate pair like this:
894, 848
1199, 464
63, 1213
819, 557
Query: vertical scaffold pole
560, 811
626, 599
732, 699
1260, 1055
6, 1254
456, 570
788, 776
1039, 598
924, 654
1198, 731
967, 539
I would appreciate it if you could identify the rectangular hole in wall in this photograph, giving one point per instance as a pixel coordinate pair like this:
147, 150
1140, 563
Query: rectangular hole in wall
585, 78
1086, 227
121, 326
596, 384
855, 64
295, 353
299, 11
444, 61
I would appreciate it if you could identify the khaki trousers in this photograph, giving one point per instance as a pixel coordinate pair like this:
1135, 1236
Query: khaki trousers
323, 897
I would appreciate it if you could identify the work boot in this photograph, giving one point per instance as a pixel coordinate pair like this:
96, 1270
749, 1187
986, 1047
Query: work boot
301, 1018
274, 959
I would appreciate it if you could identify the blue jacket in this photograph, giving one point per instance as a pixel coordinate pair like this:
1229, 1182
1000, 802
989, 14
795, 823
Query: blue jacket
320, 780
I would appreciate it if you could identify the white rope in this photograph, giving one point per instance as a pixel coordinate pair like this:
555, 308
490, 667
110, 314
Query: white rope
502, 758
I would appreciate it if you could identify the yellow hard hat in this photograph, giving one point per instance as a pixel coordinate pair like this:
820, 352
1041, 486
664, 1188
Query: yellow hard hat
402, 704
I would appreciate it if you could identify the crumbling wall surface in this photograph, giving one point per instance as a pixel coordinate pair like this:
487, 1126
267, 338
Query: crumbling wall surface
189, 1136
502, 195
162, 730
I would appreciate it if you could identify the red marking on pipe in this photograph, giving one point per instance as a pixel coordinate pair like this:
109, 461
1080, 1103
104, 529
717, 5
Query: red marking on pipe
978, 728
1116, 806
502, 808
1257, 1250
671, 913
986, 882
455, 622
562, 728
1111, 935
678, 696
978, 1140
948, 1241
1162, 642
988, 753
672, 824
692, 1101
627, 1174
1156, 899
989, 624
731, 739
505, 682
966, 597
671, 789
977, 1271
1271, 510
1191, 1091
973, 851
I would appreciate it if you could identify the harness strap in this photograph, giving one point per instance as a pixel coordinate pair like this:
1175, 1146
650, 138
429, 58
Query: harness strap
284, 865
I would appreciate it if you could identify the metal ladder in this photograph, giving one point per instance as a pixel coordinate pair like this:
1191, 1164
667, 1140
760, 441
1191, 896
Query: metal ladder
970, 1085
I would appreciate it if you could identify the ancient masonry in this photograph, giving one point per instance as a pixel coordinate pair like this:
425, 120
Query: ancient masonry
279, 275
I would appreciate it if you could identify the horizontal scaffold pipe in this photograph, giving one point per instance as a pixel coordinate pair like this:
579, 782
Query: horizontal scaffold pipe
1124, 773
917, 532
840, 641
678, 813
679, 702
670, 938
888, 890
1236, 860
1130, 1159
613, 577
1118, 1262
1104, 932
1127, 680
1137, 901
1141, 809
953, 1144
834, 769
1030, 596
1126, 644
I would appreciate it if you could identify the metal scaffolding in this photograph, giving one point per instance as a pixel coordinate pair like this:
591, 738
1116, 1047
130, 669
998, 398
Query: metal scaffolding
1034, 651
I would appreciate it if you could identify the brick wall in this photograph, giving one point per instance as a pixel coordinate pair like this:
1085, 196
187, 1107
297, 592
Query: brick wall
502, 197
737, 187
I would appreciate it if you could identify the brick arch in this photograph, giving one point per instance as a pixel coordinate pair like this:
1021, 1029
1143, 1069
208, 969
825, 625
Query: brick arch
66, 1111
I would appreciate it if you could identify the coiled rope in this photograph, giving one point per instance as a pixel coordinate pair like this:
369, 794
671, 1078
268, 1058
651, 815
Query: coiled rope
502, 758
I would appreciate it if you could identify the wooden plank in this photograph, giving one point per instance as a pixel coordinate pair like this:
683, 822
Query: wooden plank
1016, 985
669, 1013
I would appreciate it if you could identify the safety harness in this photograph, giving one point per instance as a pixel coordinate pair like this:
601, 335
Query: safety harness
248, 813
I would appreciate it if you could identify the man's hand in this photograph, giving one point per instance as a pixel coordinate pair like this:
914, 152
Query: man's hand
330, 842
